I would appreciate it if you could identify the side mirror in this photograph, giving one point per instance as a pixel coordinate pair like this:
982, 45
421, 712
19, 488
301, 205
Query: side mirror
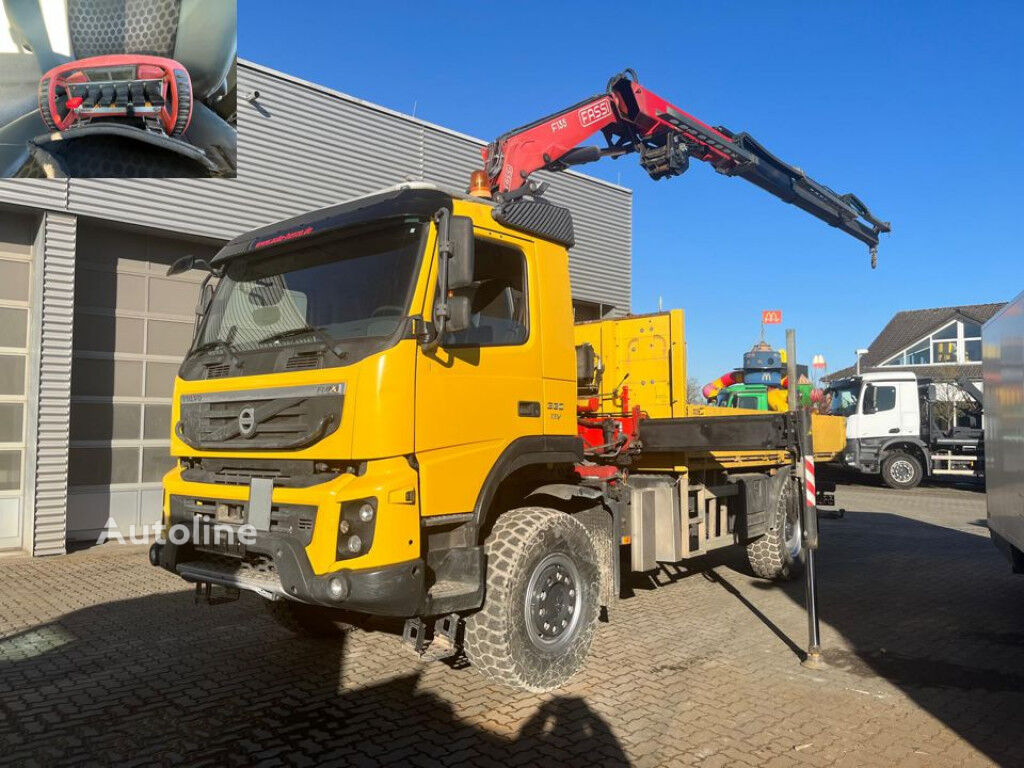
202, 305
461, 261
458, 314
454, 273
185, 263
869, 400
205, 299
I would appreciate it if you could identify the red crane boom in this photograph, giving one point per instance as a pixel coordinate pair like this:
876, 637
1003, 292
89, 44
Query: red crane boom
634, 119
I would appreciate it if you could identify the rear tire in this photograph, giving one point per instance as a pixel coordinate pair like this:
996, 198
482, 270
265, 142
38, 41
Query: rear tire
779, 554
902, 471
540, 610
311, 620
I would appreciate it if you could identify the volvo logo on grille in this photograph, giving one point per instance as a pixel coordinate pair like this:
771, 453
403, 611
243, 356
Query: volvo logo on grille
247, 421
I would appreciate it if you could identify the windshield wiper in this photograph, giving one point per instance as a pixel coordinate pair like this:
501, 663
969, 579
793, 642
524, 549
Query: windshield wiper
215, 344
325, 338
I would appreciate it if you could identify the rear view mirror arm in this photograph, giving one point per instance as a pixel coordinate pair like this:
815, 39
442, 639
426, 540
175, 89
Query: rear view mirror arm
445, 248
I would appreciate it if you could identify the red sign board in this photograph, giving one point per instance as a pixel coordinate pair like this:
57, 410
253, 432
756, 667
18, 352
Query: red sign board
771, 316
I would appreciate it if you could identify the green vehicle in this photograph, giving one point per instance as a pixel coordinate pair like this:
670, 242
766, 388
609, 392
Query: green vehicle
755, 396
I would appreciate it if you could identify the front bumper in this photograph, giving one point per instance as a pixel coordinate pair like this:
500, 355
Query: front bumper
298, 555
861, 454
276, 567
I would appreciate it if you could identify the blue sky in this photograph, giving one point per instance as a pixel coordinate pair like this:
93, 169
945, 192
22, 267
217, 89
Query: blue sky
915, 107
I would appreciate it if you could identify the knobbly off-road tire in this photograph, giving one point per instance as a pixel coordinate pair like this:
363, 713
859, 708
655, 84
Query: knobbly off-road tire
541, 564
779, 554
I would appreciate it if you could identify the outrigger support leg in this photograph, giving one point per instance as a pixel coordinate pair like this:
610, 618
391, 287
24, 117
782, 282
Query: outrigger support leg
808, 506
810, 533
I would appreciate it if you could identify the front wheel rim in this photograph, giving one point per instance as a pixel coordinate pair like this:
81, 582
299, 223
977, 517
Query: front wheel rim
553, 602
902, 471
792, 534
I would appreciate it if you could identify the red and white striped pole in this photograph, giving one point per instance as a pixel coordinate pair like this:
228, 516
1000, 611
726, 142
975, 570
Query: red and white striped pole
809, 512
809, 492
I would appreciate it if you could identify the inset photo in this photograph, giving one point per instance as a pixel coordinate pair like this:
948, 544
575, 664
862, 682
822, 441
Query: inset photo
118, 89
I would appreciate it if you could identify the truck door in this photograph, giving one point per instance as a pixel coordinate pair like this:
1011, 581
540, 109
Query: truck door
909, 405
879, 414
482, 387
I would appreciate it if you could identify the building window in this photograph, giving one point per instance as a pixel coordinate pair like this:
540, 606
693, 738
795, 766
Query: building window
972, 342
944, 351
956, 342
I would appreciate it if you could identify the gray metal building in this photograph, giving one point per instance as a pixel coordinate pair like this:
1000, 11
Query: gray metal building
91, 329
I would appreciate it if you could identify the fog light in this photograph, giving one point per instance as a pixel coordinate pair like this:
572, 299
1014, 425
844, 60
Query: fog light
354, 544
366, 513
338, 587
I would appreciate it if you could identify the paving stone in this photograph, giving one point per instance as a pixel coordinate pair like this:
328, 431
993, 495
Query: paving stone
104, 659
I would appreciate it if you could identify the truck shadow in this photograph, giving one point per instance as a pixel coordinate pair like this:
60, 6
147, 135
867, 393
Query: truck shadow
932, 610
152, 682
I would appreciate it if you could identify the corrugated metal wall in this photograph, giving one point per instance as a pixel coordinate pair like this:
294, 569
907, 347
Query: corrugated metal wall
56, 289
304, 146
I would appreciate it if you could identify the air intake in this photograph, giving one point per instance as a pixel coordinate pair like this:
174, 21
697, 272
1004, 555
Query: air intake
303, 361
218, 371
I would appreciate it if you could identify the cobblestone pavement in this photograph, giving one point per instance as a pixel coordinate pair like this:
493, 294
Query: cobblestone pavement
104, 659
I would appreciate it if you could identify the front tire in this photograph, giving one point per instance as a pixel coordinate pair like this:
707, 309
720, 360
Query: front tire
539, 614
902, 471
779, 554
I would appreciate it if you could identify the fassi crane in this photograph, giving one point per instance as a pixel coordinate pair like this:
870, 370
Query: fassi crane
633, 119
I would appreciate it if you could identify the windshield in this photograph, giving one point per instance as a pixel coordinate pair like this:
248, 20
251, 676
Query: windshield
353, 288
844, 400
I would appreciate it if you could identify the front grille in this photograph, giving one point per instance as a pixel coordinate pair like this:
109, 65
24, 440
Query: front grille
296, 520
285, 418
286, 473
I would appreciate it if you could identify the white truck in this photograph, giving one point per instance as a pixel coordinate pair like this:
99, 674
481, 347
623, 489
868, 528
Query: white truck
906, 429
1003, 368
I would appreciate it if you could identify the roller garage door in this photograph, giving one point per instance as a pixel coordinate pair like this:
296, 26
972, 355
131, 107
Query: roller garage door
132, 326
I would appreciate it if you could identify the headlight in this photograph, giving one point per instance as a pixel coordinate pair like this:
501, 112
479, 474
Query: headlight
356, 527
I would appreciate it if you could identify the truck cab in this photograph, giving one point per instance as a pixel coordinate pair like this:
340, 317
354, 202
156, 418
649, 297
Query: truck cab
894, 427
752, 397
883, 426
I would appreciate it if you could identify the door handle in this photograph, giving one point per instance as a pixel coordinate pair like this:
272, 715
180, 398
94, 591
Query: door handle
894, 430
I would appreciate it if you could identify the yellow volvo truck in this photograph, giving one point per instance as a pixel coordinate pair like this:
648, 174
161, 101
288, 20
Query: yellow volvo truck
443, 470
387, 411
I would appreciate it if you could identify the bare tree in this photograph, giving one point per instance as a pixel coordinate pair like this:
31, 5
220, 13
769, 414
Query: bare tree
693, 392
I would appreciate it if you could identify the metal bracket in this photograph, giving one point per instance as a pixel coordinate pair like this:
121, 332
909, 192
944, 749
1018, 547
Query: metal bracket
214, 594
438, 640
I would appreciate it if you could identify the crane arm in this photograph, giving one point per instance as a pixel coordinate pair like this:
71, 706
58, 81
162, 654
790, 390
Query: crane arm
634, 119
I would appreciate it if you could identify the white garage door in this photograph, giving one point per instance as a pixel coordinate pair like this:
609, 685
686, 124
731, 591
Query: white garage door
132, 326
16, 236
